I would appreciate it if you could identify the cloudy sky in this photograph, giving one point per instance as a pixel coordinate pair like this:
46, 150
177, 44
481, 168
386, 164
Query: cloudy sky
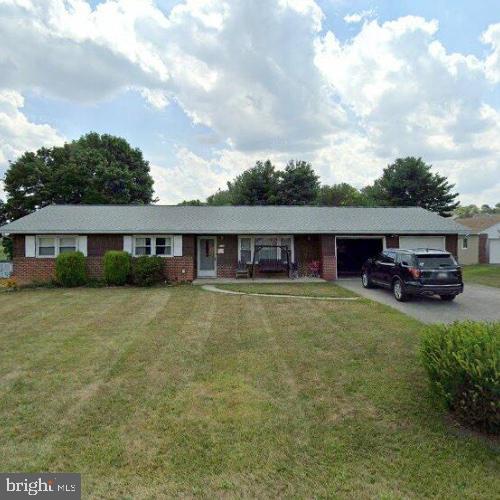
207, 87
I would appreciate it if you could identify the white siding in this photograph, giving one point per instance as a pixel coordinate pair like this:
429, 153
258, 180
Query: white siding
434, 242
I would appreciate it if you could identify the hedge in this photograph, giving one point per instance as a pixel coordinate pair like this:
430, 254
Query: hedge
70, 269
117, 267
147, 271
463, 364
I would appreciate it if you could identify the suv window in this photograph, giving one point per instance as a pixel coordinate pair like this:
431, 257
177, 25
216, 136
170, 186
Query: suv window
388, 257
435, 261
405, 258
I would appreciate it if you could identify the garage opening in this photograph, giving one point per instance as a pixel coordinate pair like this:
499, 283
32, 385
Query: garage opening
352, 253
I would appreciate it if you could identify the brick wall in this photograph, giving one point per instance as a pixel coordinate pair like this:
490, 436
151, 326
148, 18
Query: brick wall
392, 241
227, 262
29, 269
483, 249
451, 244
328, 257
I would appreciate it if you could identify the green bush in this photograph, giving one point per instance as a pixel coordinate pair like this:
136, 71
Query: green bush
463, 364
70, 269
148, 270
116, 267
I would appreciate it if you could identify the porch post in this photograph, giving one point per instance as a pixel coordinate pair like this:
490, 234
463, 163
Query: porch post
328, 257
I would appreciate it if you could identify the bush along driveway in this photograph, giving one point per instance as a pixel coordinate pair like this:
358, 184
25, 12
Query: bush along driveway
163, 392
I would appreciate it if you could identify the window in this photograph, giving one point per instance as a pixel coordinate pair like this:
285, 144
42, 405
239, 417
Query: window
163, 246
52, 246
67, 244
247, 244
436, 261
143, 246
465, 243
245, 250
153, 245
46, 247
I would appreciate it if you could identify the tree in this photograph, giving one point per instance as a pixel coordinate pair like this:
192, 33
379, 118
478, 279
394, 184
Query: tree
467, 211
410, 182
192, 203
299, 184
256, 186
3, 217
221, 197
93, 169
341, 195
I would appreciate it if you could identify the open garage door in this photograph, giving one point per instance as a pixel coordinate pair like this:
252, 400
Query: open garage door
434, 242
353, 252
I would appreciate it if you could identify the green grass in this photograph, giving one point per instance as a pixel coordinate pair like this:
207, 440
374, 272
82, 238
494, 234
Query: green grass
305, 289
154, 393
483, 274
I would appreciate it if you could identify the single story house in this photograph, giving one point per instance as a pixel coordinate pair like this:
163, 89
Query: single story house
483, 244
204, 241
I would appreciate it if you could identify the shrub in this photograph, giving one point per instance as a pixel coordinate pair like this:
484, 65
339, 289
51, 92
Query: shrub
70, 269
463, 364
148, 270
116, 267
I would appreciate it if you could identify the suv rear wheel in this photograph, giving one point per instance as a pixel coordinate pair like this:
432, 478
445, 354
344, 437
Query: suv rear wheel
398, 290
366, 280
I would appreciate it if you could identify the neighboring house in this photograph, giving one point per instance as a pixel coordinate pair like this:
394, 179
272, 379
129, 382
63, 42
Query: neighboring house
214, 241
484, 240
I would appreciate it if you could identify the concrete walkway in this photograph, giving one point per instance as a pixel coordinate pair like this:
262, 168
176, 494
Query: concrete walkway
477, 303
243, 281
213, 288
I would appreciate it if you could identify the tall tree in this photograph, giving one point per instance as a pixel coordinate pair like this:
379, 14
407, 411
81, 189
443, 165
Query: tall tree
256, 186
341, 195
299, 184
410, 182
221, 197
93, 169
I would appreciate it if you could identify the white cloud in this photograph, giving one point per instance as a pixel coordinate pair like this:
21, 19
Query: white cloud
265, 78
17, 133
357, 17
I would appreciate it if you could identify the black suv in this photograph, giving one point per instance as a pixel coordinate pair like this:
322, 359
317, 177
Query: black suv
421, 271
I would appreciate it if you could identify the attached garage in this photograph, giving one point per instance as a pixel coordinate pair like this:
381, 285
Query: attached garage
433, 242
495, 251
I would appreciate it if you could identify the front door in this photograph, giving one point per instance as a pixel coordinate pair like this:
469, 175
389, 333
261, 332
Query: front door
207, 257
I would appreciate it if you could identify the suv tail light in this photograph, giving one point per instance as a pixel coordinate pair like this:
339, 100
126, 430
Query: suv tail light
415, 272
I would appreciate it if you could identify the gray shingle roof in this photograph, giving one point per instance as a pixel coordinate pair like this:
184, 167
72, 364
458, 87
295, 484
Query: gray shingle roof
82, 219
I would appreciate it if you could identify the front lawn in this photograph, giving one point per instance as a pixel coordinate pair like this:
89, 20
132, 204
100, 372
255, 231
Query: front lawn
154, 393
305, 289
483, 274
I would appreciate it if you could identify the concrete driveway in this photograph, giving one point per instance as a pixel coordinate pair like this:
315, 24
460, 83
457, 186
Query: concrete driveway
478, 303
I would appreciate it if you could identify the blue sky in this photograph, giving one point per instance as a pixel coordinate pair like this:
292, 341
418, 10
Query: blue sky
207, 87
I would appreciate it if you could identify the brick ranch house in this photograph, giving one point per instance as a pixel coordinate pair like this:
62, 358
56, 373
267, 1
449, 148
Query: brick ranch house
211, 241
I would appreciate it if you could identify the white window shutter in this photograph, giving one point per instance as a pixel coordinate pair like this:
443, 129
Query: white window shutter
30, 246
178, 245
127, 244
82, 244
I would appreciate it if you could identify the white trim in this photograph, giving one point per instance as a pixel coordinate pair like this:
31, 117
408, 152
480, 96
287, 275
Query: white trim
30, 246
127, 244
57, 244
205, 273
82, 244
177, 245
153, 244
252, 244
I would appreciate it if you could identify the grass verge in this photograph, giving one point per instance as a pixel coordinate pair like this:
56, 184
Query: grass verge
295, 289
483, 274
